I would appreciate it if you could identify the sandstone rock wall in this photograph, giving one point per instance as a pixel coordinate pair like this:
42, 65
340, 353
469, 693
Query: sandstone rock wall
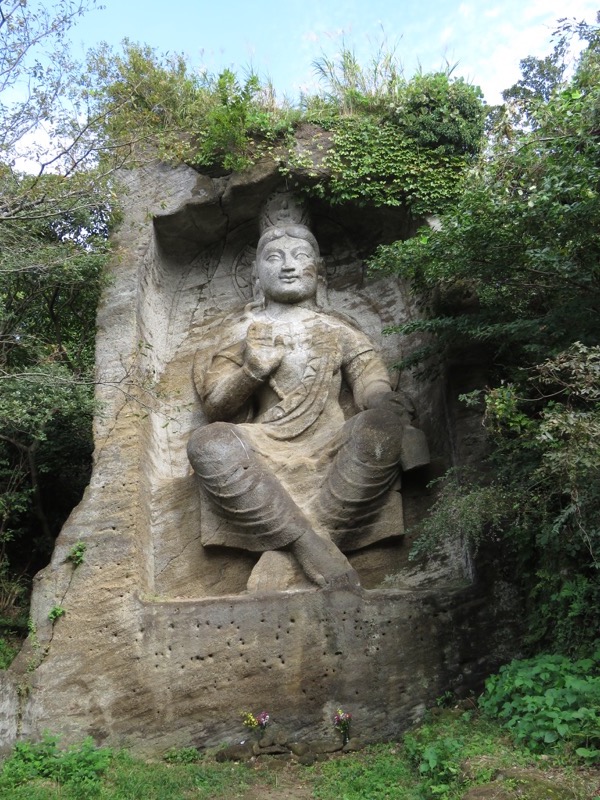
159, 646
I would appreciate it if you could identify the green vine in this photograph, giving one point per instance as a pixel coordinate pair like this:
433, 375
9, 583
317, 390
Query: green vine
373, 162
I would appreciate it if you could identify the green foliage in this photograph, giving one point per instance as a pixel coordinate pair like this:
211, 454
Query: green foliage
395, 142
349, 87
473, 515
203, 119
540, 496
53, 229
182, 755
13, 591
225, 136
434, 111
437, 761
77, 553
440, 758
56, 612
47, 327
548, 702
515, 263
139, 90
78, 768
43, 771
389, 146
513, 277
449, 753
371, 162
7, 653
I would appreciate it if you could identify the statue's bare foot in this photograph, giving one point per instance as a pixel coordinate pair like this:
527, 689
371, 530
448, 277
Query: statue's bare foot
323, 563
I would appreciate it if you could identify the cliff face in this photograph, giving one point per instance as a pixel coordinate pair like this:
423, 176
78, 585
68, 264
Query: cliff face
161, 641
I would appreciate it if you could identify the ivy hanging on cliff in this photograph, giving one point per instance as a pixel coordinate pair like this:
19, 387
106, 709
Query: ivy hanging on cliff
372, 163
397, 142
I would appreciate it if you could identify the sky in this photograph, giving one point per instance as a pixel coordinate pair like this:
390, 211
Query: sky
281, 39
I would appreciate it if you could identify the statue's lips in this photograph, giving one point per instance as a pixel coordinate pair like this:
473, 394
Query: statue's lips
288, 278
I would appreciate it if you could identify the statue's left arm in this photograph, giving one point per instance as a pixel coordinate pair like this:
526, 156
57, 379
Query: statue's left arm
370, 382
368, 378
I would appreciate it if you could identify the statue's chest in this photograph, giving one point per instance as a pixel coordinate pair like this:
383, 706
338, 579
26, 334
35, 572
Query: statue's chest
309, 349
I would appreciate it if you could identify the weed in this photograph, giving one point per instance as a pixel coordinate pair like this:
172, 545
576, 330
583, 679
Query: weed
377, 773
437, 760
55, 613
455, 754
80, 768
182, 755
77, 553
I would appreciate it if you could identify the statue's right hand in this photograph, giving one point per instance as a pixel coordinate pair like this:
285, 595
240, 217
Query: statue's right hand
262, 354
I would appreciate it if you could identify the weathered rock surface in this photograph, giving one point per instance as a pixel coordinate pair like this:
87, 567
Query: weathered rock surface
161, 643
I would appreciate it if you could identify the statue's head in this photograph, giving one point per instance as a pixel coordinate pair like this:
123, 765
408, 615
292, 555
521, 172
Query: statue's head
288, 265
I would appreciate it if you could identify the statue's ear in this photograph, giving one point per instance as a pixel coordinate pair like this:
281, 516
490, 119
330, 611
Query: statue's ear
258, 296
321, 285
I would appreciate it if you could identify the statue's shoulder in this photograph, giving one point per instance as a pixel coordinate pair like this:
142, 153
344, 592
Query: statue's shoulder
227, 327
347, 330
223, 335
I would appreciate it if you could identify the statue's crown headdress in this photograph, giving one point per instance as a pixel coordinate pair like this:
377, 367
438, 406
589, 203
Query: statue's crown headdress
281, 209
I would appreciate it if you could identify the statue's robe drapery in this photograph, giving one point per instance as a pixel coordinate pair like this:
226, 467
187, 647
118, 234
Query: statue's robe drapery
303, 426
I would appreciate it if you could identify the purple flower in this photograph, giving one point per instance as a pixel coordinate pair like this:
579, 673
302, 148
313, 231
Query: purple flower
263, 719
341, 722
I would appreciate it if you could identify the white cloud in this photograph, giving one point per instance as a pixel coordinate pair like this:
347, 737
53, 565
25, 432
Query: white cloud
488, 48
311, 36
491, 13
447, 34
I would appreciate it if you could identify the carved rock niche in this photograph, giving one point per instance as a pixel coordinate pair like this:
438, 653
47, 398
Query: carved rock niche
195, 275
161, 642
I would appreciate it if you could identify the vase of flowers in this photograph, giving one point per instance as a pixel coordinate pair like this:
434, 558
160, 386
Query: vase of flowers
256, 722
341, 722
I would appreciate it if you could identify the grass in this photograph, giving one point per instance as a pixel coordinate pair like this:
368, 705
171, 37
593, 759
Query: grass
35, 772
377, 773
449, 753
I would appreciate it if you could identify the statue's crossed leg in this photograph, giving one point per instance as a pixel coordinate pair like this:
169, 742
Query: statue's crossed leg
248, 494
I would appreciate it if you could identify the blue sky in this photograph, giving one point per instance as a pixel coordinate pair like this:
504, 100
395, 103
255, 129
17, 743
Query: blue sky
282, 38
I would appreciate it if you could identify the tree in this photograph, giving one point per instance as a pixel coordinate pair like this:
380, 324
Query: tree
515, 272
53, 229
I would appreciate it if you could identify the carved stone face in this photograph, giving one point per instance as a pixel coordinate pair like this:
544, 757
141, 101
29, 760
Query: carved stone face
287, 270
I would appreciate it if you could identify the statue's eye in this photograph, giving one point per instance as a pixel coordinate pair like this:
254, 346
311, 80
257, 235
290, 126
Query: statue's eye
273, 257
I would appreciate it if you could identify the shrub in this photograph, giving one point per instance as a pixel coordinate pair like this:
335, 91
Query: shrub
7, 653
437, 759
549, 701
80, 767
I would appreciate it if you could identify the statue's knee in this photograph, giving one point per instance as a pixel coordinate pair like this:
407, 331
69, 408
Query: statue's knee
377, 436
215, 447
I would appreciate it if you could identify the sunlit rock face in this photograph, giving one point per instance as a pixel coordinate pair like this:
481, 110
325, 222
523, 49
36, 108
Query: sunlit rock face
173, 622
